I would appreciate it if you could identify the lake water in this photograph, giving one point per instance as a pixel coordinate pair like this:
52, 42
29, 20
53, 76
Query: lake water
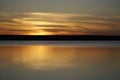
59, 60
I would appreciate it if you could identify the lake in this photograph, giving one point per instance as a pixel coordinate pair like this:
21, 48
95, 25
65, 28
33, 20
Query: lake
59, 60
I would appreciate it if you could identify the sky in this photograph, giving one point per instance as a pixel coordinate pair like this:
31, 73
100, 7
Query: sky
60, 17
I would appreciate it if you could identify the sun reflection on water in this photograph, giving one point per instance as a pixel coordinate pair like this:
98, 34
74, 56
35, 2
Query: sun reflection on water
43, 58
53, 57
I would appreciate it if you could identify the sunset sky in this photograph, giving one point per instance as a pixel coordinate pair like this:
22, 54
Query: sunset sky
60, 17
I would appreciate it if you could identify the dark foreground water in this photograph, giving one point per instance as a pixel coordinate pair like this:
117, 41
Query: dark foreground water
53, 61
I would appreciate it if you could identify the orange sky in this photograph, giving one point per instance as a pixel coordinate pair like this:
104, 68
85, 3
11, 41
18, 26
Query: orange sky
57, 24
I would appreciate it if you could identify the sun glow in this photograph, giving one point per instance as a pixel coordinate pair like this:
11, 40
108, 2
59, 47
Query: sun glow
41, 33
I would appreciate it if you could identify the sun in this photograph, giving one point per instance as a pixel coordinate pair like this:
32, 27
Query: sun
41, 33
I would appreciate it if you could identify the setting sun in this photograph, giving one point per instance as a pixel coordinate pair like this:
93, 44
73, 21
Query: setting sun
41, 33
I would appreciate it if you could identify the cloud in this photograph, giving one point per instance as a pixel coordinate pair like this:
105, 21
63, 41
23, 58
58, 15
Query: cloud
59, 23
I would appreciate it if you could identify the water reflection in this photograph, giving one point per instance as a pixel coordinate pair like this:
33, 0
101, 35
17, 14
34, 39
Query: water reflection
58, 57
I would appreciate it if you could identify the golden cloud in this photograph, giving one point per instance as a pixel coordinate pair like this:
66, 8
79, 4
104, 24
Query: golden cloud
58, 24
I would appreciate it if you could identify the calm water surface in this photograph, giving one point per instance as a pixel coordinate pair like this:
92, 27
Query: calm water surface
59, 62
